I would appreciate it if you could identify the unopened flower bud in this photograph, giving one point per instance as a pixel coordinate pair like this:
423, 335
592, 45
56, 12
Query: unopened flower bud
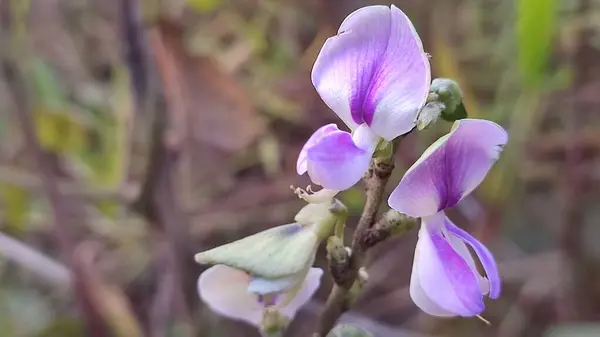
449, 93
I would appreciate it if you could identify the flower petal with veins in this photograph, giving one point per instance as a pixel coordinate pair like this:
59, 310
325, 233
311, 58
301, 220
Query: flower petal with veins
485, 256
443, 275
374, 71
450, 168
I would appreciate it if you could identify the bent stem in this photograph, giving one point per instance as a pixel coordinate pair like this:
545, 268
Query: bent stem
341, 298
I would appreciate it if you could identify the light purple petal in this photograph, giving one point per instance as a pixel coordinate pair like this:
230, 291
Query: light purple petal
374, 71
309, 287
225, 291
461, 248
450, 168
301, 164
444, 276
336, 162
418, 294
485, 256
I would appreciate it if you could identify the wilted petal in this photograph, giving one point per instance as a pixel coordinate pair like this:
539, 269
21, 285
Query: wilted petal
444, 276
374, 71
485, 256
308, 289
225, 291
301, 164
336, 162
450, 168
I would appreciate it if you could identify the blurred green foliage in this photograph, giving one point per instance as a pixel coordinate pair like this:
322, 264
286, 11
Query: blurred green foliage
535, 28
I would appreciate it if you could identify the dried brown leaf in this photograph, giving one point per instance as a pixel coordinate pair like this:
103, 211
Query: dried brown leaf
206, 101
107, 299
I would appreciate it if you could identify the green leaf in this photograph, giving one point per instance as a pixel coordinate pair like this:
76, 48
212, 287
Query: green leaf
536, 26
16, 201
48, 93
106, 157
203, 6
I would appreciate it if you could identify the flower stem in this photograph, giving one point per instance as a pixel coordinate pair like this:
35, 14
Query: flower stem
340, 297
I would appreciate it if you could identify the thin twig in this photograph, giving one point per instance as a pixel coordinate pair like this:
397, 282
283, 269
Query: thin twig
37, 263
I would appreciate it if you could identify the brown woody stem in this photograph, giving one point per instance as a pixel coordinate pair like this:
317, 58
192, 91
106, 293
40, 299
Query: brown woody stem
365, 237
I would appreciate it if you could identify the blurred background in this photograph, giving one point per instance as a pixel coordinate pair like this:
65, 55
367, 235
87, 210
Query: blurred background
134, 133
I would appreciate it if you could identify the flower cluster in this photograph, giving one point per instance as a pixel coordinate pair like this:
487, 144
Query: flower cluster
445, 280
375, 75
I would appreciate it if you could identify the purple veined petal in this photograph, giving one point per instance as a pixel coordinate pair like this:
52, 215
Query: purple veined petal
374, 71
461, 248
309, 287
336, 162
301, 164
485, 256
419, 296
450, 168
403, 80
225, 291
444, 276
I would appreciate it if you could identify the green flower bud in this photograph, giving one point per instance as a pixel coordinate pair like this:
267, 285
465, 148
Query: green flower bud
429, 114
450, 95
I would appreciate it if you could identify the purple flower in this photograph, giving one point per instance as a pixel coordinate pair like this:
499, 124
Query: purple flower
375, 76
445, 280
235, 294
